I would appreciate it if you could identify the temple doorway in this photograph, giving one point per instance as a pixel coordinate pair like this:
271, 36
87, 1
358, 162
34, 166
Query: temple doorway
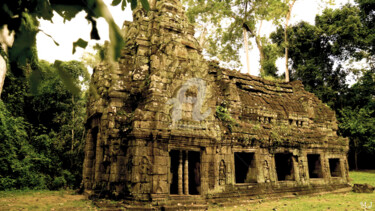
185, 174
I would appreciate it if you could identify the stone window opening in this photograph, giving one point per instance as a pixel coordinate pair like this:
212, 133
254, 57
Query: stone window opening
245, 167
284, 166
315, 166
334, 167
185, 174
290, 121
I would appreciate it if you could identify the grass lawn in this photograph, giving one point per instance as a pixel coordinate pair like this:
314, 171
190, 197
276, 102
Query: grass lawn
43, 200
344, 201
67, 200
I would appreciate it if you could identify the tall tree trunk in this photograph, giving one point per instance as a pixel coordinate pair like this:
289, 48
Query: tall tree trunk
246, 50
6, 40
202, 38
261, 54
3, 71
73, 117
72, 144
286, 40
356, 160
259, 44
356, 151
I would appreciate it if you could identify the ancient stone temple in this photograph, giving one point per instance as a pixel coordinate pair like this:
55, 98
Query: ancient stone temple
167, 125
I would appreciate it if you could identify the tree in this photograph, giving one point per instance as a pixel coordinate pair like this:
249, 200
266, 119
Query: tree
63, 113
312, 62
290, 4
6, 40
44, 131
232, 22
21, 17
319, 55
358, 116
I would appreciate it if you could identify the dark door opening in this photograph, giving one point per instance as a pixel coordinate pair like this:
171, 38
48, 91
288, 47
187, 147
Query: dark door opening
191, 184
245, 168
284, 166
194, 173
334, 167
315, 166
174, 156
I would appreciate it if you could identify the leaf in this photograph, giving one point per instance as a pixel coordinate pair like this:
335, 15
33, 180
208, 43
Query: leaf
145, 5
133, 4
79, 43
94, 34
117, 41
123, 5
67, 78
68, 12
116, 2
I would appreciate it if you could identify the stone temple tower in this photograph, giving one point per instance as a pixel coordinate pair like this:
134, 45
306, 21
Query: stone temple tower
165, 125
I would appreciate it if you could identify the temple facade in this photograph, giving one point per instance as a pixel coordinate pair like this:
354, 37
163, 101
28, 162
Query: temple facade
164, 124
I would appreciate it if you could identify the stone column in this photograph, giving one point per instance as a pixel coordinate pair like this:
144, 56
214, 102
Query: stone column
186, 174
180, 174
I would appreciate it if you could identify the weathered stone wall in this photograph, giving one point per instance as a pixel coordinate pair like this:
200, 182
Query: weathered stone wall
162, 96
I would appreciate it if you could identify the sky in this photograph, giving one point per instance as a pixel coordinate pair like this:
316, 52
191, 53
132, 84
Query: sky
70, 31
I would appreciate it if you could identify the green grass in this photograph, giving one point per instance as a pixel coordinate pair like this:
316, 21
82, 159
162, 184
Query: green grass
367, 176
68, 200
342, 201
43, 200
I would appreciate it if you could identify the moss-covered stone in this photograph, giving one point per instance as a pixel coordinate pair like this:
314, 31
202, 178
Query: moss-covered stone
163, 97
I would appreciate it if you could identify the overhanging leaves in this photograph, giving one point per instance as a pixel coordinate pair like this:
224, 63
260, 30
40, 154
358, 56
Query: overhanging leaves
145, 5
79, 43
67, 78
133, 4
116, 2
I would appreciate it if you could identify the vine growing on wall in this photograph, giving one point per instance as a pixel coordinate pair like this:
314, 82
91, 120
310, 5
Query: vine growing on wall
223, 114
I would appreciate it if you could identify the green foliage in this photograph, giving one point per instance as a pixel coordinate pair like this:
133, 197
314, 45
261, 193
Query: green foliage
268, 64
94, 59
79, 43
319, 55
359, 124
25, 39
228, 19
279, 134
43, 133
274, 79
21, 17
357, 118
313, 62
12, 134
223, 114
319, 52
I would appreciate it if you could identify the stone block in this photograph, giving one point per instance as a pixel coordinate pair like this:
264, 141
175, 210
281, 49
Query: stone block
159, 169
363, 188
161, 160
